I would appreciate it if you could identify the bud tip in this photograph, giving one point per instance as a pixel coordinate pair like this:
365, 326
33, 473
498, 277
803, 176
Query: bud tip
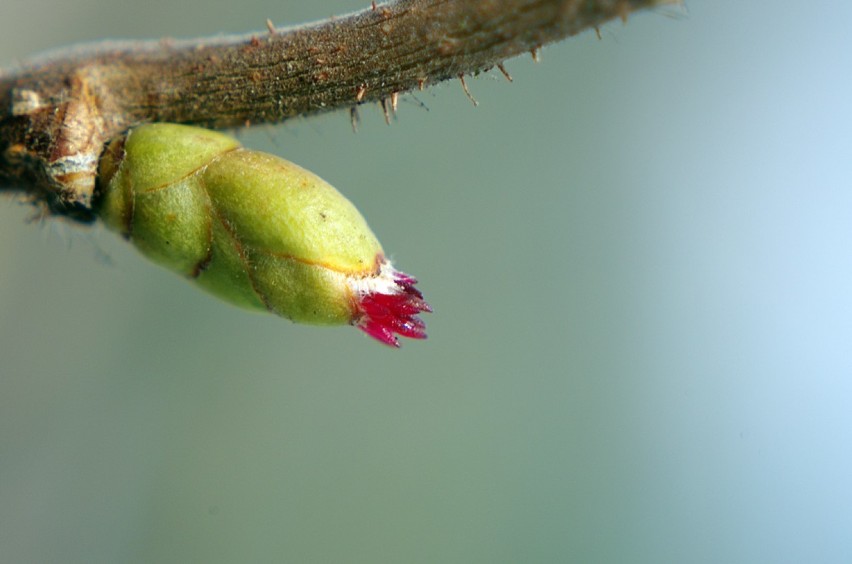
388, 304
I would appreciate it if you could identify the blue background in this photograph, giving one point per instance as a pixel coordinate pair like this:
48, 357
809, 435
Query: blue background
638, 254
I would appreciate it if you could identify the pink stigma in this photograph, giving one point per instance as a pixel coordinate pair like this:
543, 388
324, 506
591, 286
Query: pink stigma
382, 315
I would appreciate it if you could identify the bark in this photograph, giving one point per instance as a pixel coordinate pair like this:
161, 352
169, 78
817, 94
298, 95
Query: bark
56, 114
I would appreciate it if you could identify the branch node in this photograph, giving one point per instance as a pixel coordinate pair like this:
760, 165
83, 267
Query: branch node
56, 115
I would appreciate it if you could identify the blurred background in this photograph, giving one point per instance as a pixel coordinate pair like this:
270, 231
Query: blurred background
638, 254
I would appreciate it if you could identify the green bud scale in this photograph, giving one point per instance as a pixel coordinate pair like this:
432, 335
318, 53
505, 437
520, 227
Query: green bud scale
253, 229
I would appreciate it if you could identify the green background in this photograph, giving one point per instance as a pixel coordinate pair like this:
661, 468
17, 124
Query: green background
638, 254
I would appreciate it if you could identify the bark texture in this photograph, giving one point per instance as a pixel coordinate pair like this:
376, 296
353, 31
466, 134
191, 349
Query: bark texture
57, 113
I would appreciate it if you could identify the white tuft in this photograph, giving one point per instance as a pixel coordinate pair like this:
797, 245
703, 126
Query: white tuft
382, 283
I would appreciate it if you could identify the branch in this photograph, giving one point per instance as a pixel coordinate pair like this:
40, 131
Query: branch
57, 113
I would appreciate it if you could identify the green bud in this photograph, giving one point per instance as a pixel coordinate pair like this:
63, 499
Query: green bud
253, 229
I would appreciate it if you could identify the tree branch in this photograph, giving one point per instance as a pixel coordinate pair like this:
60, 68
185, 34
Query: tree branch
57, 113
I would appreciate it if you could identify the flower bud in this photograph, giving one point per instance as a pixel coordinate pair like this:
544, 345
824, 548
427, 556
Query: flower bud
253, 229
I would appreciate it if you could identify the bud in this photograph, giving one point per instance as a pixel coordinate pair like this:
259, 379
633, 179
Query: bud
253, 229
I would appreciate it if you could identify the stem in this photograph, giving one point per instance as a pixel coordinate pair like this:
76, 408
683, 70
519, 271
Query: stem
58, 113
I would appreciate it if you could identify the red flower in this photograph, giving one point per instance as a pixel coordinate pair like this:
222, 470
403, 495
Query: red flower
388, 303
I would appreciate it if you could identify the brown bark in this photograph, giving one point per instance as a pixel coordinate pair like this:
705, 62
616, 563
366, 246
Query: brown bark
56, 114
